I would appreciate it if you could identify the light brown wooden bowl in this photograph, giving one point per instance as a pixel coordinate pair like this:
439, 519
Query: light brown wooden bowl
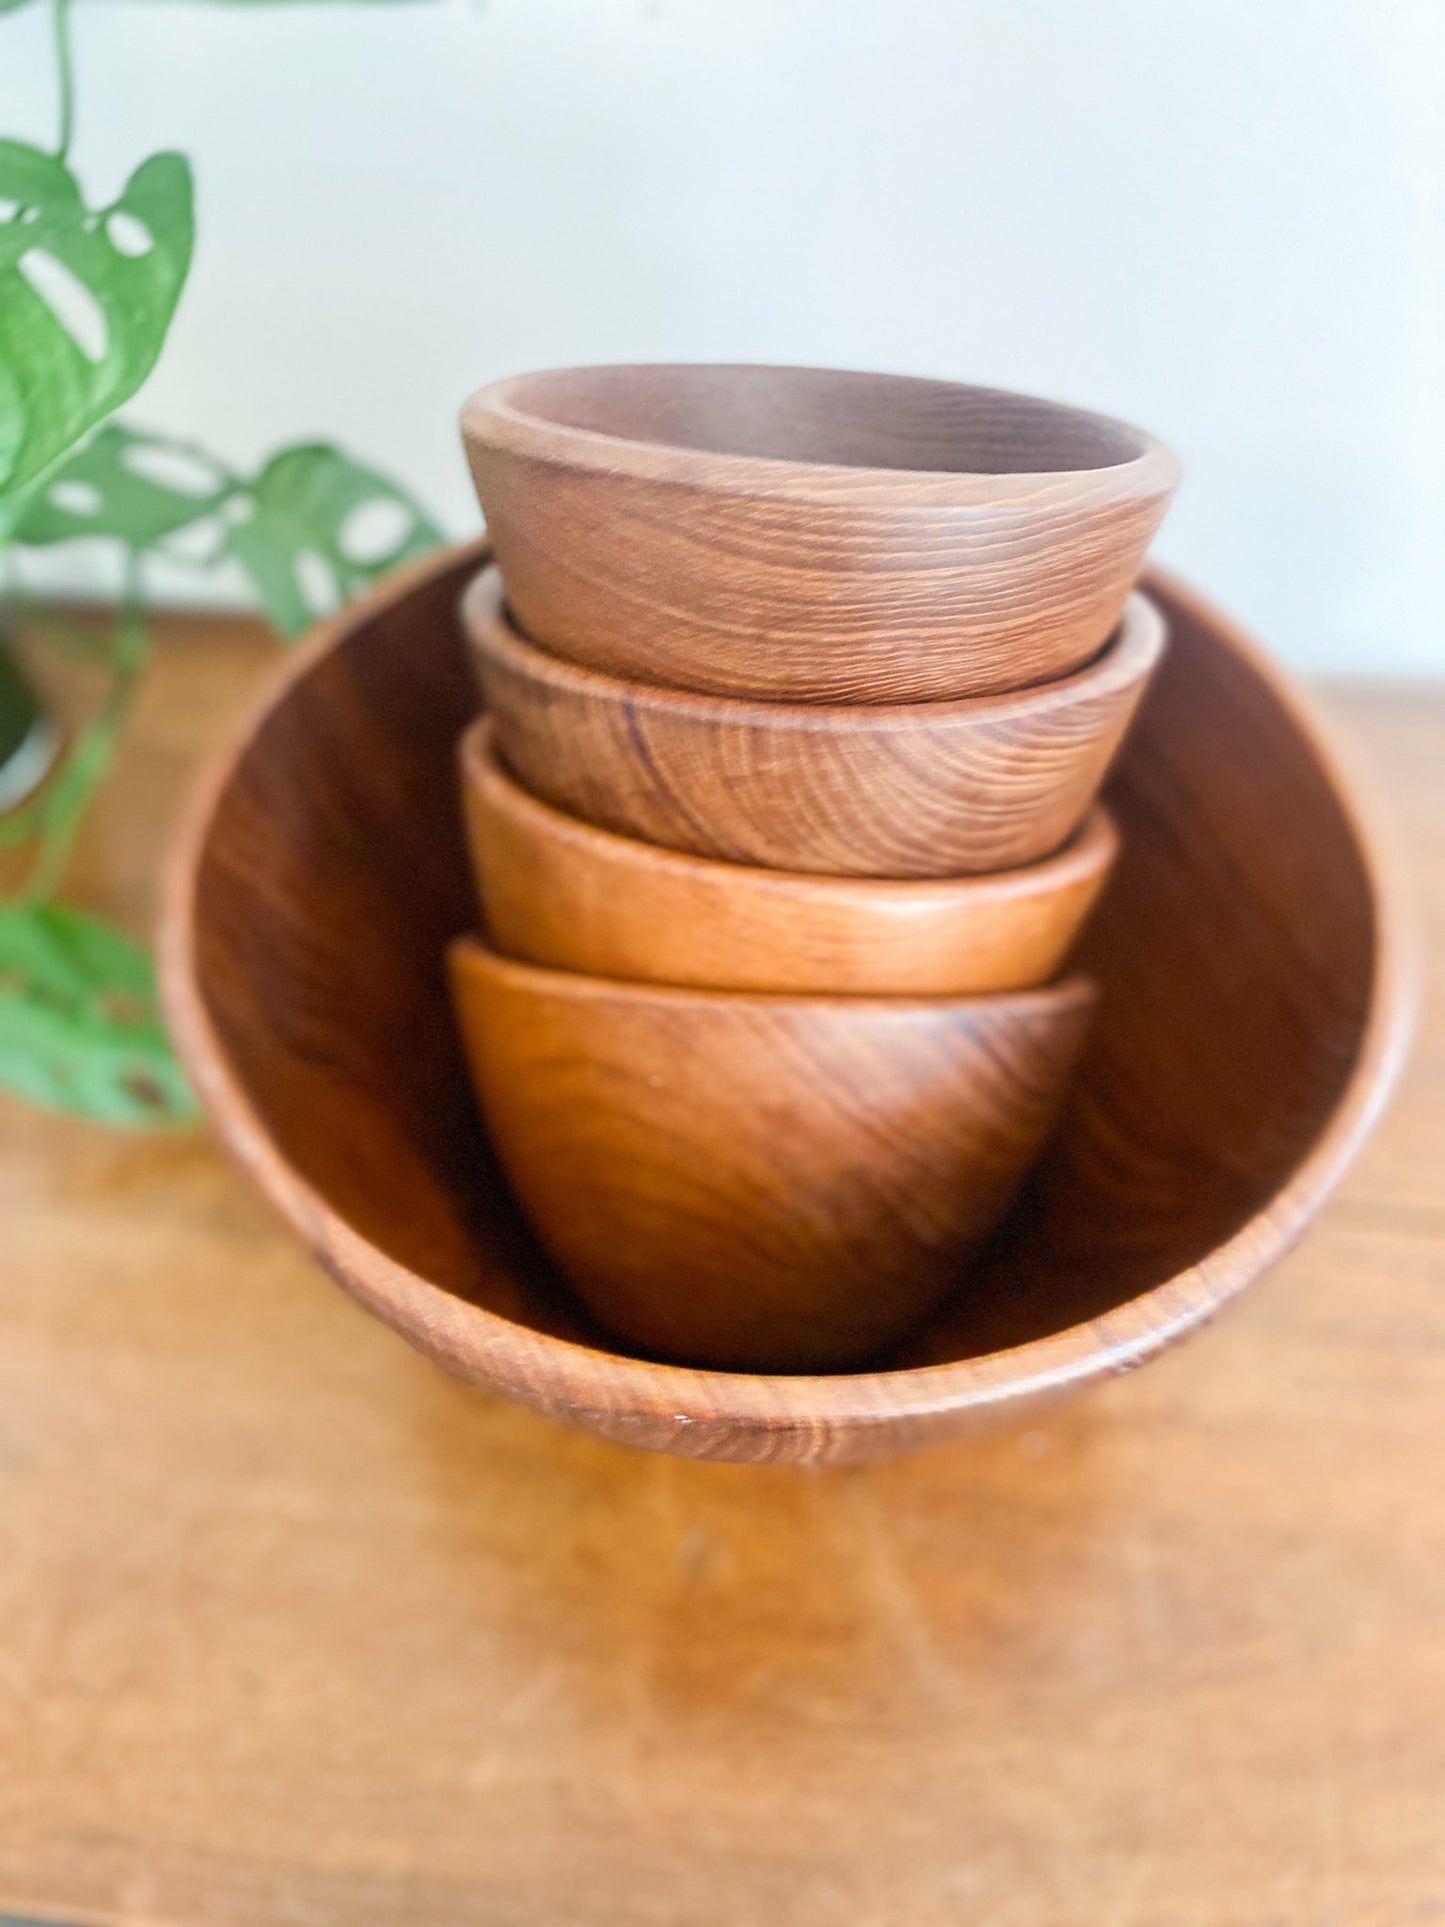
810, 535
761, 1183
557, 891
885, 790
1257, 994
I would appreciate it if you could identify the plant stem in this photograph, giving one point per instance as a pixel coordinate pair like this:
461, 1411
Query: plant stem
65, 74
58, 633
66, 803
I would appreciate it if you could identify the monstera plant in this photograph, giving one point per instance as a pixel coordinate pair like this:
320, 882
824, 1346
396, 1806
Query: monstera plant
88, 290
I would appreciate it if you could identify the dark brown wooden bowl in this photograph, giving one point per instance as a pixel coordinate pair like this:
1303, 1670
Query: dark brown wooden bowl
809, 535
558, 891
1258, 991
857, 789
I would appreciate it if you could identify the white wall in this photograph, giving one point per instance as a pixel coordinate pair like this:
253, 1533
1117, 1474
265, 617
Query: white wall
1222, 218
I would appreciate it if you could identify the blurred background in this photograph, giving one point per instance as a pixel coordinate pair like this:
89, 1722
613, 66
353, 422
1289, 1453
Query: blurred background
1223, 219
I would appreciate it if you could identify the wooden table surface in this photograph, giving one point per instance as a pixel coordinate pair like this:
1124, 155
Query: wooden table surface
295, 1632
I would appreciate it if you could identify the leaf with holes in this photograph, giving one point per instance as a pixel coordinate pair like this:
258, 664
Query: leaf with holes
86, 297
80, 1028
321, 528
124, 483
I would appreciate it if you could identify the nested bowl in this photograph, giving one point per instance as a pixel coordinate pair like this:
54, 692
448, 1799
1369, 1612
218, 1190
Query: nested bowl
557, 891
805, 534
761, 1183
859, 789
1257, 988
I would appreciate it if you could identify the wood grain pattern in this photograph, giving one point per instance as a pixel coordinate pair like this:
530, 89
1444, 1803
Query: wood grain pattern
761, 1183
888, 790
557, 891
299, 1632
1257, 995
811, 535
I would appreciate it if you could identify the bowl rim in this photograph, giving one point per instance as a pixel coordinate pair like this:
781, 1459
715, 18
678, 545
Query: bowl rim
479, 956
1086, 855
611, 1389
1130, 656
492, 419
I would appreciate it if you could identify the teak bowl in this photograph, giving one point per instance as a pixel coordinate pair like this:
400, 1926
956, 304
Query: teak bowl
557, 891
809, 535
760, 1183
882, 789
1257, 987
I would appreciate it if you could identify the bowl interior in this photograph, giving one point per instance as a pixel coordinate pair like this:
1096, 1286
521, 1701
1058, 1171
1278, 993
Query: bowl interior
1236, 946
826, 416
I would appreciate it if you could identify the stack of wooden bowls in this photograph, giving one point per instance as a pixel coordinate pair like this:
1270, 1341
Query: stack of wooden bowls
799, 690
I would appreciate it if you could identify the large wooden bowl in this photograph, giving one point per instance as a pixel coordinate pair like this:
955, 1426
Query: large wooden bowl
856, 789
1257, 1000
558, 891
808, 535
754, 1182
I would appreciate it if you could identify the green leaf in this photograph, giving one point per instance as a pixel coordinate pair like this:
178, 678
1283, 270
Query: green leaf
86, 297
125, 483
80, 1026
323, 527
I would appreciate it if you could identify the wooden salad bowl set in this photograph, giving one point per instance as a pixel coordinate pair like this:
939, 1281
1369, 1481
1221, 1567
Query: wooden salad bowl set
800, 1016
764, 1115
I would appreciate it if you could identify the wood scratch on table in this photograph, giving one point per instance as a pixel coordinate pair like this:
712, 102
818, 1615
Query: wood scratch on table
1133, 1887
877, 1566
508, 1716
1330, 1819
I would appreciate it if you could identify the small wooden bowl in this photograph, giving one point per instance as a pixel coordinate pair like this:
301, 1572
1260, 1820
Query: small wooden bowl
558, 891
882, 790
808, 535
1257, 973
760, 1183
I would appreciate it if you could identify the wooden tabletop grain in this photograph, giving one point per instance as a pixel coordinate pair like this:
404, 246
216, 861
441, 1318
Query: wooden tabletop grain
295, 1632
